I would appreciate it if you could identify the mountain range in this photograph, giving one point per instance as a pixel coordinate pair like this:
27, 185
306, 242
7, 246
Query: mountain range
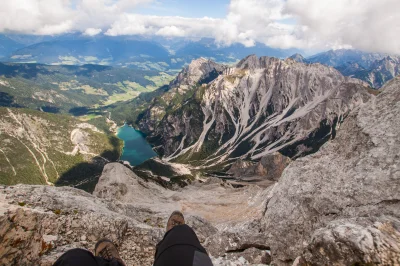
171, 54
250, 149
136, 52
374, 68
251, 152
268, 128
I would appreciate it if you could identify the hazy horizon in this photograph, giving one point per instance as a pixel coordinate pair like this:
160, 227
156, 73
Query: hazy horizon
308, 25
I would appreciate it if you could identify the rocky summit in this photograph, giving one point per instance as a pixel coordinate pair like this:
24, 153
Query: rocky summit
338, 206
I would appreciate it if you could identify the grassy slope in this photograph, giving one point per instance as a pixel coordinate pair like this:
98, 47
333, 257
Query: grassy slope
51, 134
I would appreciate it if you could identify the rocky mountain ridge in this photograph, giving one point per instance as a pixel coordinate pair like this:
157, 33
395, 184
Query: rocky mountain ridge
338, 206
340, 57
261, 106
374, 68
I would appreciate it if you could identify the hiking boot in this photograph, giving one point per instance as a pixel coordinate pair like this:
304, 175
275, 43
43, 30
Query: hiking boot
175, 219
107, 250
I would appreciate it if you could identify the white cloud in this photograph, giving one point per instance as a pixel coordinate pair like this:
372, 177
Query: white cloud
36, 17
49, 17
371, 25
171, 31
130, 24
92, 31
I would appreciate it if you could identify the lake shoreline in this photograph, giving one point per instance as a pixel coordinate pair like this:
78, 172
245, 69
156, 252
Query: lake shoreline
136, 149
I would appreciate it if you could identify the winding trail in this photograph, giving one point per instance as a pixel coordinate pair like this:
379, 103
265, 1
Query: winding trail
15, 173
43, 154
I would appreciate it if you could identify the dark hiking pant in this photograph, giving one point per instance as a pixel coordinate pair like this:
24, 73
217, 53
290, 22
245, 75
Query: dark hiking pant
179, 247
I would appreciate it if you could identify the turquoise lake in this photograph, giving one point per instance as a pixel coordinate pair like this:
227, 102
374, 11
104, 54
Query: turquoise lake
136, 148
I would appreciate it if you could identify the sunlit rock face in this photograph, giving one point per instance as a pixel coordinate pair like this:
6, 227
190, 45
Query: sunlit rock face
261, 106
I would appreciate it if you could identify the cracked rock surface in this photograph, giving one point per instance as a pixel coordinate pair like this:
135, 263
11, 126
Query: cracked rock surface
341, 205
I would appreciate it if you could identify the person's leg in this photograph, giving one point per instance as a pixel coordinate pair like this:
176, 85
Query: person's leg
179, 235
180, 245
106, 255
79, 257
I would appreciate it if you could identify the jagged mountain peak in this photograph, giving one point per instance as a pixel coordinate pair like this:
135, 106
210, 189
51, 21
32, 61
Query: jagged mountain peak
198, 70
199, 62
298, 58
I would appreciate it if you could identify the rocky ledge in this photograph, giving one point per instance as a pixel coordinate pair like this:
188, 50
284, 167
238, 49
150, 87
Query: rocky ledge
39, 223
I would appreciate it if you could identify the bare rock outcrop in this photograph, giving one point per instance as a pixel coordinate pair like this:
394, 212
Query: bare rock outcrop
374, 240
120, 183
341, 205
39, 223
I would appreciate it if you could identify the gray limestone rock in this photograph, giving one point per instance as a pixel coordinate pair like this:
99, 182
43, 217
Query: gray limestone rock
320, 199
374, 240
120, 183
339, 206
40, 223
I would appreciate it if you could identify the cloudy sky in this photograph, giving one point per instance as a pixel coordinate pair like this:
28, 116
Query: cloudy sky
370, 25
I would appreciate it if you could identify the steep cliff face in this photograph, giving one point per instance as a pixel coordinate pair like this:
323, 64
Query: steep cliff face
383, 70
341, 205
261, 106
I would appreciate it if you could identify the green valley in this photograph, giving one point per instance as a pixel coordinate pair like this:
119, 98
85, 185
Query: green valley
67, 89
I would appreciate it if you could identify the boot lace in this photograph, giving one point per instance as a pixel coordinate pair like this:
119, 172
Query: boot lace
106, 253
